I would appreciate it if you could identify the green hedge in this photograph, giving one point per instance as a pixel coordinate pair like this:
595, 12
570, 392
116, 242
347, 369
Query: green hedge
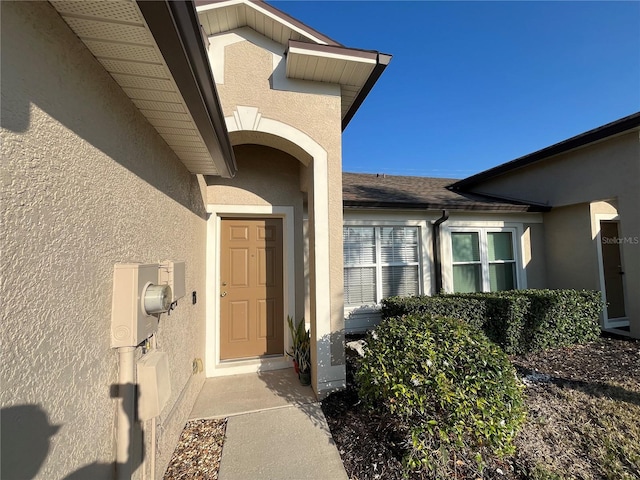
520, 321
452, 389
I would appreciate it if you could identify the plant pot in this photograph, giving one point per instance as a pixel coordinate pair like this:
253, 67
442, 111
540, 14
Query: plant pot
305, 378
296, 367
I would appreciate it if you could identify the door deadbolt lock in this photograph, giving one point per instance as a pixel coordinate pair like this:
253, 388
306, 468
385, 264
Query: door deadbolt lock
223, 294
224, 284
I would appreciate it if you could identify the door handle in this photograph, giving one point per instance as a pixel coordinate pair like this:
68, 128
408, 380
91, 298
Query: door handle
223, 294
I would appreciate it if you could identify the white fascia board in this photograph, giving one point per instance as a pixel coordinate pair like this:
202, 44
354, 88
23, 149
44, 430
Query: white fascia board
279, 19
214, 6
335, 56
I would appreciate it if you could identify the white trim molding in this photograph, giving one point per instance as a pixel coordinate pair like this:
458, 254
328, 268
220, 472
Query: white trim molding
596, 230
518, 239
214, 365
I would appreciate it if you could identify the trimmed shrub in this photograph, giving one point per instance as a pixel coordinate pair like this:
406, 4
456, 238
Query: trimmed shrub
520, 321
450, 386
472, 310
562, 317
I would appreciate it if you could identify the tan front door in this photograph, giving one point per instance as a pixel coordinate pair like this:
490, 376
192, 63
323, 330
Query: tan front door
251, 288
612, 266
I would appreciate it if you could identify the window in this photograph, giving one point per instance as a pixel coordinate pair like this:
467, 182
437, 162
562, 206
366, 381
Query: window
380, 262
483, 260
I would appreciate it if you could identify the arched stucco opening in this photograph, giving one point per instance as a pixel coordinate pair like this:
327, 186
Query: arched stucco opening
252, 137
247, 127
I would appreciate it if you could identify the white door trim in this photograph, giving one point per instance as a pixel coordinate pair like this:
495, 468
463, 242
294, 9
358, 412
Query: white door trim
606, 321
214, 366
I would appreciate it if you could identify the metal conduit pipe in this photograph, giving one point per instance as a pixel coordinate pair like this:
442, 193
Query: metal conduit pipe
126, 409
437, 253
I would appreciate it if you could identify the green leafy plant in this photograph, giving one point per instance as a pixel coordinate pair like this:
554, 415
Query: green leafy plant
300, 344
304, 355
449, 386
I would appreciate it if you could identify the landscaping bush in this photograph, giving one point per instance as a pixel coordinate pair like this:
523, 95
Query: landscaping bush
472, 310
520, 321
558, 318
449, 385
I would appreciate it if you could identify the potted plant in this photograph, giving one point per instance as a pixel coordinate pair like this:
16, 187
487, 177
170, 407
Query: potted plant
300, 350
304, 360
297, 335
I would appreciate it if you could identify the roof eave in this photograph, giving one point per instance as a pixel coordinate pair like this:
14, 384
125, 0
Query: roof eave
382, 61
263, 7
440, 206
595, 135
377, 59
176, 29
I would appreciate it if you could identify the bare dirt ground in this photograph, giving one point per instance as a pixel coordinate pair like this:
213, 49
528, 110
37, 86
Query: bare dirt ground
583, 420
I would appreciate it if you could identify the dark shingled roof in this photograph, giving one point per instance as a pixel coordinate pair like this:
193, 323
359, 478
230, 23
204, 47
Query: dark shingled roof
392, 191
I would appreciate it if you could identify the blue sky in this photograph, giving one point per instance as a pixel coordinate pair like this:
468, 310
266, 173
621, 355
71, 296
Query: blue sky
475, 84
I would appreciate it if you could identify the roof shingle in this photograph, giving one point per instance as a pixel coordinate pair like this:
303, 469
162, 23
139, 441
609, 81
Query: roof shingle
403, 192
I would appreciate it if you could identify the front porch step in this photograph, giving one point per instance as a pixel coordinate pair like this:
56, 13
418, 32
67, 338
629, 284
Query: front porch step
227, 396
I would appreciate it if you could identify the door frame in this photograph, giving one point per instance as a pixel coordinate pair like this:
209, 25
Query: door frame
606, 322
214, 365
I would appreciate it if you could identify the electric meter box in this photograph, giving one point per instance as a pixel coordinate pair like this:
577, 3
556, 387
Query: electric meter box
173, 273
130, 324
154, 384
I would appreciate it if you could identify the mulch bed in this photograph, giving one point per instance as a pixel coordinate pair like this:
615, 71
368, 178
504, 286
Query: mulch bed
371, 445
198, 453
566, 383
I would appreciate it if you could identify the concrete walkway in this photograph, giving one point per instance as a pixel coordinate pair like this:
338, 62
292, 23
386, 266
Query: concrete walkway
275, 428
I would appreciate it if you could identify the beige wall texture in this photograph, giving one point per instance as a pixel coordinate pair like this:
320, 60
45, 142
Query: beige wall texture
86, 183
571, 260
608, 170
250, 73
534, 255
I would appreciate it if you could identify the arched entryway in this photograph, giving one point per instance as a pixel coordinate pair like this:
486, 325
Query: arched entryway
267, 189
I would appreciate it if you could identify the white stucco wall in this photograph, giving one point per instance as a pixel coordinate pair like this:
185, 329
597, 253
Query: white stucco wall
86, 183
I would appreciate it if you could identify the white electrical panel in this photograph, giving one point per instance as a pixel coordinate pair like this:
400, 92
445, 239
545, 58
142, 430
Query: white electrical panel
130, 324
154, 384
173, 273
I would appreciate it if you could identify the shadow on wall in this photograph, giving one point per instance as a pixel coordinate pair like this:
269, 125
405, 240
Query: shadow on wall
26, 436
45, 65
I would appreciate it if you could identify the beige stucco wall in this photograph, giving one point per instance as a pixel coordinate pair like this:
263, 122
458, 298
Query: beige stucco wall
86, 183
534, 255
571, 251
253, 78
606, 170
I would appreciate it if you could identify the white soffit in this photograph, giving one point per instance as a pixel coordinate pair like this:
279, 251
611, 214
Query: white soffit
351, 72
225, 16
118, 36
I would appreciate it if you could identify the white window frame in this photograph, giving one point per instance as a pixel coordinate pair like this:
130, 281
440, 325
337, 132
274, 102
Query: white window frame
517, 245
378, 259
